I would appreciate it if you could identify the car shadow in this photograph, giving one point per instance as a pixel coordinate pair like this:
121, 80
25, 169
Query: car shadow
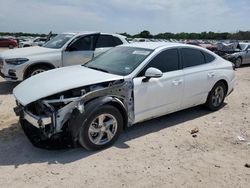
243, 66
16, 149
7, 87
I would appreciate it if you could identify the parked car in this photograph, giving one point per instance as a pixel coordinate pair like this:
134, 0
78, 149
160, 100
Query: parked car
63, 50
128, 84
6, 42
241, 55
38, 41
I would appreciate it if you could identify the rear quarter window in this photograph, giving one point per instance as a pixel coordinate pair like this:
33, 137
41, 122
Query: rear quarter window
105, 41
209, 58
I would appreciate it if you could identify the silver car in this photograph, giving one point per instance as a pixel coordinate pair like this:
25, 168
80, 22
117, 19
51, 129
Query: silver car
242, 56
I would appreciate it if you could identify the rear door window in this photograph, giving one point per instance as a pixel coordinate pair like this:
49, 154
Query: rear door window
192, 57
105, 41
209, 58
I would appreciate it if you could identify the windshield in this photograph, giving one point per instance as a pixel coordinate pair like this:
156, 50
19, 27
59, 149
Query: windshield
58, 41
243, 46
119, 60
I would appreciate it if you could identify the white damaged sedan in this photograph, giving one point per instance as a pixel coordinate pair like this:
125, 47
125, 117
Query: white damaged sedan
128, 84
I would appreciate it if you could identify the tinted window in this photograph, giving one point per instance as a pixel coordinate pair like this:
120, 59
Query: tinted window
166, 61
192, 57
81, 44
209, 58
105, 41
117, 41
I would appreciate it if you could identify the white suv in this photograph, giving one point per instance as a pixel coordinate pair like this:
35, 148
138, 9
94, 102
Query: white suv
63, 50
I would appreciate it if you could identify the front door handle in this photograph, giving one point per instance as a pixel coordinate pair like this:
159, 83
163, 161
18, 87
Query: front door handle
177, 82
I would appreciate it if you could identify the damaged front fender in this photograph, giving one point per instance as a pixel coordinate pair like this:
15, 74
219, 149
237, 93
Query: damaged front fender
118, 93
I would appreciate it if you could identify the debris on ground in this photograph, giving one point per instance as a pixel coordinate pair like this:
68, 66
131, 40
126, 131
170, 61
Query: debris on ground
247, 165
194, 135
241, 138
195, 130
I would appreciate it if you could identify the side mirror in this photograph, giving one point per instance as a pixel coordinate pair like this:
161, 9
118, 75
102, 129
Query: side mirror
152, 73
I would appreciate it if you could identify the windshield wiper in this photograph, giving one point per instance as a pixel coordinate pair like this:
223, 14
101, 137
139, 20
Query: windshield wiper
99, 69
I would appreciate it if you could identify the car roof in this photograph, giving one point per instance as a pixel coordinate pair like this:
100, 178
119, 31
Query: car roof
80, 32
92, 32
155, 45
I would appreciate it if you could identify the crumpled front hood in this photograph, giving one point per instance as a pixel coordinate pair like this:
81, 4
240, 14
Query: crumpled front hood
25, 52
59, 80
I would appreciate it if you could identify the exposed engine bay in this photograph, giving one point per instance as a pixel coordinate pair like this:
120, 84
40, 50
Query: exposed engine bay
51, 115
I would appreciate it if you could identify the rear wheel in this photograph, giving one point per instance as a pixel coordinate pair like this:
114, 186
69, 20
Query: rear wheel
101, 129
37, 70
216, 97
238, 62
11, 46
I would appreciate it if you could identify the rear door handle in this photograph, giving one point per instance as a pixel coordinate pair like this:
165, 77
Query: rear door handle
211, 74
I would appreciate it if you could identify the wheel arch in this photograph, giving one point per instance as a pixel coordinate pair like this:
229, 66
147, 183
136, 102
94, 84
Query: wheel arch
113, 101
92, 105
28, 68
220, 80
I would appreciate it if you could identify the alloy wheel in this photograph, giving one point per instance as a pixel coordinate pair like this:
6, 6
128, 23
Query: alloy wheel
37, 71
218, 96
102, 129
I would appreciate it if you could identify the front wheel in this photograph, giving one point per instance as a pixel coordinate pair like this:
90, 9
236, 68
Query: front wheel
37, 70
216, 97
102, 128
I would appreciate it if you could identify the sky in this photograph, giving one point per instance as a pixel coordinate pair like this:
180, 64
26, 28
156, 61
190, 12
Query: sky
131, 16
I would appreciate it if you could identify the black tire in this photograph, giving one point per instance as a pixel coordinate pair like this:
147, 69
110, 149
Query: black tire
11, 46
84, 135
25, 46
238, 62
211, 103
36, 70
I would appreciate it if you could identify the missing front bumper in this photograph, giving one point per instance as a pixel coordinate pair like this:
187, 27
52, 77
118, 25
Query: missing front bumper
38, 139
38, 122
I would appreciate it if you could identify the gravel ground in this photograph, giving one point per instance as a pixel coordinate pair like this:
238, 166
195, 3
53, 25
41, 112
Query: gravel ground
157, 153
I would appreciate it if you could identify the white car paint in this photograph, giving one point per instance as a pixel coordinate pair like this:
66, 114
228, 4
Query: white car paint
159, 96
175, 90
50, 82
53, 57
